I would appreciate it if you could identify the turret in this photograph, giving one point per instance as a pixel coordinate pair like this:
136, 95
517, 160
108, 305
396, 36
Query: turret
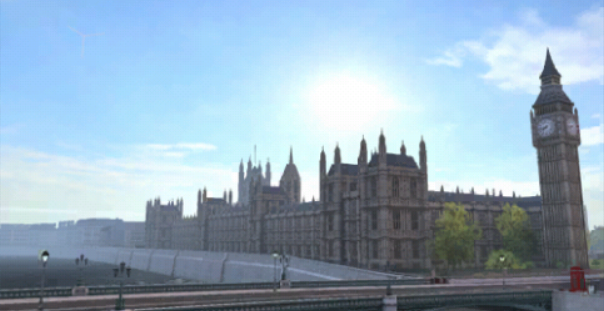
231, 197
224, 196
267, 175
205, 195
249, 166
403, 149
423, 165
322, 164
382, 149
337, 159
362, 161
291, 155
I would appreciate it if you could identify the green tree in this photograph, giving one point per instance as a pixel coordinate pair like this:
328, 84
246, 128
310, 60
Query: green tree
515, 229
455, 235
510, 261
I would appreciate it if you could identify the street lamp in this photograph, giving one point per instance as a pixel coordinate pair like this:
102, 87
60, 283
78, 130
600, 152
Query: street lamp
275, 256
84, 262
120, 303
502, 259
43, 257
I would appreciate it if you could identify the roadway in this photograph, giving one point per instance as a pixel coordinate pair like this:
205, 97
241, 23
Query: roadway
134, 301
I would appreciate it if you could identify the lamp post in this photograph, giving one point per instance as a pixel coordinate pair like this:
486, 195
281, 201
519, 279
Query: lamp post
275, 256
84, 262
502, 260
43, 258
120, 303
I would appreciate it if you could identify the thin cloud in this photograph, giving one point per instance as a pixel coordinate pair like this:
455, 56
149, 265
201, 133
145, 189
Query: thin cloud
592, 136
182, 146
115, 187
515, 53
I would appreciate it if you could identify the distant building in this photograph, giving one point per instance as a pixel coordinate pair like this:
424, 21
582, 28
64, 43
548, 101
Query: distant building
159, 222
596, 239
134, 234
30, 234
99, 231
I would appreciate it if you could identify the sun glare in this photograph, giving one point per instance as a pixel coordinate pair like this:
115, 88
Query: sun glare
348, 103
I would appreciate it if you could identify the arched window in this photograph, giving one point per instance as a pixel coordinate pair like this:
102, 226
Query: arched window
413, 188
373, 187
395, 187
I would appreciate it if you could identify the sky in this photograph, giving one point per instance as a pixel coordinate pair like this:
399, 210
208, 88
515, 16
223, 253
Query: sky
167, 97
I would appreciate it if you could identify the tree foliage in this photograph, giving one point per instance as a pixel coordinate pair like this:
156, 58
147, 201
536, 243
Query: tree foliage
510, 261
455, 235
515, 229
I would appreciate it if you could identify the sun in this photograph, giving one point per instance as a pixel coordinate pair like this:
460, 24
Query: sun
347, 103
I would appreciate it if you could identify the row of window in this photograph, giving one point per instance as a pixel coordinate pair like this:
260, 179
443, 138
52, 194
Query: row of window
372, 188
396, 220
398, 246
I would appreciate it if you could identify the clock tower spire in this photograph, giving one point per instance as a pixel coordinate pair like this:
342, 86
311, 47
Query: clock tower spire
556, 136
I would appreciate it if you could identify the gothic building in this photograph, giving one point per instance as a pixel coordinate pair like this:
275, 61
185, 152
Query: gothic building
379, 212
556, 136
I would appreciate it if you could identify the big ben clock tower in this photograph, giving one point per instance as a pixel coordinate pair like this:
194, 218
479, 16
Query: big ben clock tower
556, 136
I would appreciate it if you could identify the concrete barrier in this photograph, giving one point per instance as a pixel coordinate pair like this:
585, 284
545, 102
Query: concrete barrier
162, 261
564, 300
199, 265
208, 266
140, 259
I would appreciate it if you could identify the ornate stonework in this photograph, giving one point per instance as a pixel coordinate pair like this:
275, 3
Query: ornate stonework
556, 135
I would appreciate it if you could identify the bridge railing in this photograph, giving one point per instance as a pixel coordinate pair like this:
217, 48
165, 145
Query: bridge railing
143, 289
540, 297
34, 292
357, 304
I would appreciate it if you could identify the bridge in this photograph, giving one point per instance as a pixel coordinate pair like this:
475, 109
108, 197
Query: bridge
319, 286
363, 295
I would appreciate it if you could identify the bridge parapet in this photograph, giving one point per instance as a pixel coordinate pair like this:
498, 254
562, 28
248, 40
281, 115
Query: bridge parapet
524, 300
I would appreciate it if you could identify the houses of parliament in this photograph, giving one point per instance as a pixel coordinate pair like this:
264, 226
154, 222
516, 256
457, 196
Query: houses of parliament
379, 213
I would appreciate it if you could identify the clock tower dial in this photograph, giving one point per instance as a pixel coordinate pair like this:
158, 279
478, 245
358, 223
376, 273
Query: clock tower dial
545, 127
555, 136
572, 127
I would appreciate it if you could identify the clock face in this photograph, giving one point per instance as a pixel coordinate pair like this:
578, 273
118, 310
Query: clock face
572, 127
545, 127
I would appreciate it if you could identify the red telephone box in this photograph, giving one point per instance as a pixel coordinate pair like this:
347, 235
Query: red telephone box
577, 279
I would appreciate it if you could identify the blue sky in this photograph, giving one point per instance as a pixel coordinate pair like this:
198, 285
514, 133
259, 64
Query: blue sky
170, 96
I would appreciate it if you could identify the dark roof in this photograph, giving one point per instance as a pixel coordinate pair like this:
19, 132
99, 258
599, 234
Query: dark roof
271, 190
552, 94
216, 200
394, 160
549, 69
525, 202
346, 169
291, 167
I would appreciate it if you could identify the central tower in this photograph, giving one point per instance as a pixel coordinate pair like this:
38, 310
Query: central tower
556, 136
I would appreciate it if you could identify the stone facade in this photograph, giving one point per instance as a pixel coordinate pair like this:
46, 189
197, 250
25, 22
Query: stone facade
379, 212
160, 221
556, 136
